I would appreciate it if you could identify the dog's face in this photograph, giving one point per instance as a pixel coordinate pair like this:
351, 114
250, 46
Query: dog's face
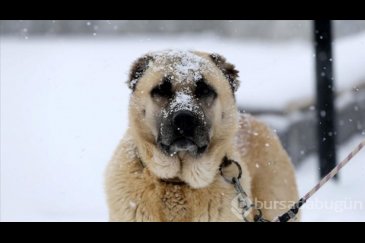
182, 113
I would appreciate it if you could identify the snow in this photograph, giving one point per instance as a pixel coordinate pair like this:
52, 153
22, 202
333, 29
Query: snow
184, 64
132, 204
182, 101
335, 201
64, 110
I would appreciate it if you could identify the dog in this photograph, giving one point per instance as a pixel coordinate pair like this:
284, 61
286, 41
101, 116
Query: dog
183, 126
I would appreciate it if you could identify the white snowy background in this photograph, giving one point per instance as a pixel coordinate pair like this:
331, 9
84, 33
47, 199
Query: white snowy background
64, 109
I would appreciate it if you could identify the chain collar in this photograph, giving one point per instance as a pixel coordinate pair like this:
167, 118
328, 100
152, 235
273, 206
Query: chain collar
244, 202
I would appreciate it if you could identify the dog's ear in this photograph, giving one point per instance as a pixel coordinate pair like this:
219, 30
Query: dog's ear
228, 70
138, 68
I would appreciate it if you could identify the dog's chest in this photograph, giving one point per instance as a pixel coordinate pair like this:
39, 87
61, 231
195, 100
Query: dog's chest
182, 203
161, 201
175, 205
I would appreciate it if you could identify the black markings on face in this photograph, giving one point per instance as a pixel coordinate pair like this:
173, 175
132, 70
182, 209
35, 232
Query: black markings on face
203, 90
163, 90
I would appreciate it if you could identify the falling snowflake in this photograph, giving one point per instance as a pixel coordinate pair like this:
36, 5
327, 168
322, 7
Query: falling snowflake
132, 204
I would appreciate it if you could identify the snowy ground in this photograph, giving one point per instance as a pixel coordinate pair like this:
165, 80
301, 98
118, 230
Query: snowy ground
63, 110
342, 200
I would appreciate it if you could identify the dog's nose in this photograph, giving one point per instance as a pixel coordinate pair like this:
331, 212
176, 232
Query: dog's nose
184, 122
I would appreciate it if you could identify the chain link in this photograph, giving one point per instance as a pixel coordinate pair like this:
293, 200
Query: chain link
244, 202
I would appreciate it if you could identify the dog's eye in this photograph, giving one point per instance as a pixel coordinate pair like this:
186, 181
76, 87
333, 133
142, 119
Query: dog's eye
203, 90
162, 90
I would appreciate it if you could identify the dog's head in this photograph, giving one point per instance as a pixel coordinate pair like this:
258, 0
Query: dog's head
182, 113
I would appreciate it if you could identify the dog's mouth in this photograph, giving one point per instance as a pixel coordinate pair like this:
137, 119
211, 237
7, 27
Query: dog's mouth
184, 145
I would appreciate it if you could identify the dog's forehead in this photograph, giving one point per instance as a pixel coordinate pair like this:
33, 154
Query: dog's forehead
182, 66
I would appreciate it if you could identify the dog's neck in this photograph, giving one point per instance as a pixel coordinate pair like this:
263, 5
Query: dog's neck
177, 181
175, 200
174, 181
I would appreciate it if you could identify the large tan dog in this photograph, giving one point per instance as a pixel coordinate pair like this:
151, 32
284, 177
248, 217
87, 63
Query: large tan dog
183, 122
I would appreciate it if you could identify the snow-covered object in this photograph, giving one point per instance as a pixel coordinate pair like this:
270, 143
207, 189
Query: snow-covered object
184, 65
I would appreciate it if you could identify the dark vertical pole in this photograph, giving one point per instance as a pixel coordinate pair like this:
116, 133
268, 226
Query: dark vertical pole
325, 96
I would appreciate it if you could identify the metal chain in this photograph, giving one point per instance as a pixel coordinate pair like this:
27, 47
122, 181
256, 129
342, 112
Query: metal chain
244, 202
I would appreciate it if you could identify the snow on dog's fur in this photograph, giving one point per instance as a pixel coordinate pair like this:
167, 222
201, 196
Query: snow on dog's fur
183, 121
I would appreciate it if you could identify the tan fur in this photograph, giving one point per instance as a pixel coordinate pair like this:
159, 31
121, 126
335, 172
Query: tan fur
136, 193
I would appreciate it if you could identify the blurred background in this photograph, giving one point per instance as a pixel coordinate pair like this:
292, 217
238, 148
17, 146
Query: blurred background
64, 105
